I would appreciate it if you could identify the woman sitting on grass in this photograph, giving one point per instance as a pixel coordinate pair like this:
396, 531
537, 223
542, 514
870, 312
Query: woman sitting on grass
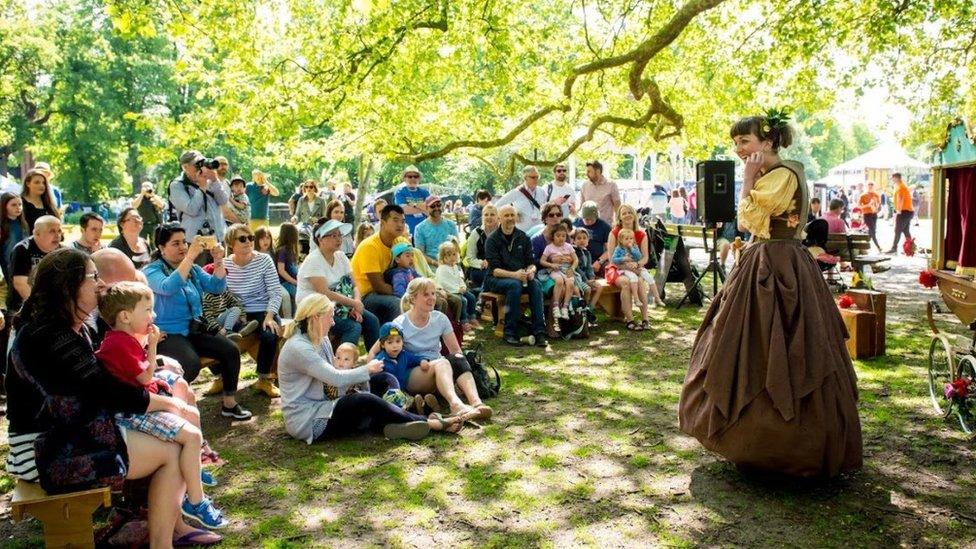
424, 331
306, 365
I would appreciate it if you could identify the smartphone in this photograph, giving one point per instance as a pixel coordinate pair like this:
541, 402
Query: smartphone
208, 242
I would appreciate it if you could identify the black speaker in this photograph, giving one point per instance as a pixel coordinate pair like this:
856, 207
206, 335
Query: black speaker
716, 190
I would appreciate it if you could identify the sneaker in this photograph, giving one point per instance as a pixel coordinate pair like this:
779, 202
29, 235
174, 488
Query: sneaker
565, 312
234, 336
216, 388
204, 512
236, 412
264, 385
540, 340
249, 328
207, 479
557, 313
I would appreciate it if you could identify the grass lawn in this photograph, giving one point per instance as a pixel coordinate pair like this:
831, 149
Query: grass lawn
585, 450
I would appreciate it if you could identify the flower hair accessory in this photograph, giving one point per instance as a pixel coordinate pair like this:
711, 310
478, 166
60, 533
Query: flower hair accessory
775, 119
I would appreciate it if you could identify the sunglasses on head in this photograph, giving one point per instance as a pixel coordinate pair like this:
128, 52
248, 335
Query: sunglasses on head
245, 238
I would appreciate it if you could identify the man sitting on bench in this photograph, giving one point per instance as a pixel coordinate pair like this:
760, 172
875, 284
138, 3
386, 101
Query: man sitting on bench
511, 271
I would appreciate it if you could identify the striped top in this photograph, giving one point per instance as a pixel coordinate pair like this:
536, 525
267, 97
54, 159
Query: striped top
256, 283
20, 460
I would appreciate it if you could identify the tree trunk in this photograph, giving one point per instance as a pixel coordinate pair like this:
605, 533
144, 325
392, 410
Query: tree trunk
365, 172
4, 155
134, 167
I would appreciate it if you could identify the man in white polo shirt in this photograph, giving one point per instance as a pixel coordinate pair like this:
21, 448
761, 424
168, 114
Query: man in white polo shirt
527, 199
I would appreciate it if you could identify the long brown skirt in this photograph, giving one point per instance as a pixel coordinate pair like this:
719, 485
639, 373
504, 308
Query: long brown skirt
771, 386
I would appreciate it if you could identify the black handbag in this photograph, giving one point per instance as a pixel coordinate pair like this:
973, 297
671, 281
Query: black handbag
79, 452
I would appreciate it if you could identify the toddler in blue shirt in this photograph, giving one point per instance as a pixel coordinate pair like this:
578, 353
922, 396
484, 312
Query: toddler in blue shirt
399, 361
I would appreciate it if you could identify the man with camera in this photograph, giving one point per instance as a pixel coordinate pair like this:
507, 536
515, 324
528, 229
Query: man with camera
150, 207
196, 197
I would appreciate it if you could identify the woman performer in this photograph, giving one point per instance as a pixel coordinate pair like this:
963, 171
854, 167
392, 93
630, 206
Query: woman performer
771, 386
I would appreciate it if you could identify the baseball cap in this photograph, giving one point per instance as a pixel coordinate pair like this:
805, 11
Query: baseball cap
388, 330
400, 248
238, 178
191, 157
431, 200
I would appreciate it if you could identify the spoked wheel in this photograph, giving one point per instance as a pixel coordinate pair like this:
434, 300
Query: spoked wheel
941, 367
967, 409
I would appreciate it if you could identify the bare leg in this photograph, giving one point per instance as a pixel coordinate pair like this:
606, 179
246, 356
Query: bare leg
642, 298
626, 300
595, 293
149, 456
439, 376
191, 439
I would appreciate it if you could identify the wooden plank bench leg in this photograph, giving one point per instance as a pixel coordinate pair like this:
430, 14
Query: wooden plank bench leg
67, 518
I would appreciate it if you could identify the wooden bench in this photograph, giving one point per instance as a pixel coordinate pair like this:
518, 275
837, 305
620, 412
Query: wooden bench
493, 305
250, 346
853, 248
67, 518
696, 232
610, 300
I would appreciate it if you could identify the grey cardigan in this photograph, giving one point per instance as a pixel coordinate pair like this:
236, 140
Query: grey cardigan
302, 372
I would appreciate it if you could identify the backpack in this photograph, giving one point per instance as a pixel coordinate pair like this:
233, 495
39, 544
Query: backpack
487, 387
482, 237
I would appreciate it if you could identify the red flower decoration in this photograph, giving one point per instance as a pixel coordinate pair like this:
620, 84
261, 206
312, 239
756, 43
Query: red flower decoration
845, 302
927, 278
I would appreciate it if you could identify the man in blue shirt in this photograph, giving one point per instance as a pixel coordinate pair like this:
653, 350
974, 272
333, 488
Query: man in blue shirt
258, 193
411, 196
433, 231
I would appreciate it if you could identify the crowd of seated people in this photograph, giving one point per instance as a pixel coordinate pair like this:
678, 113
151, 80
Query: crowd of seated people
374, 344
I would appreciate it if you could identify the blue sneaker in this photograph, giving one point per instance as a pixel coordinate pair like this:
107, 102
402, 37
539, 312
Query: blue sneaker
205, 513
207, 479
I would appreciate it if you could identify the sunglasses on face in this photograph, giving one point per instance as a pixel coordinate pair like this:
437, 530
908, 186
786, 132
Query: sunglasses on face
310, 187
245, 238
554, 214
413, 176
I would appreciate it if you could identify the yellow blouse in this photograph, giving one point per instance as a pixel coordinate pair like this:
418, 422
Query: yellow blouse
772, 195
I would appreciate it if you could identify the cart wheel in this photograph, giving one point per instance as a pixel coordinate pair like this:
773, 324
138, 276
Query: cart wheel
941, 367
967, 410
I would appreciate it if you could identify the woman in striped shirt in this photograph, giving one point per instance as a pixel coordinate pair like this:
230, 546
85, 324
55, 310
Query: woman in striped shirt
252, 276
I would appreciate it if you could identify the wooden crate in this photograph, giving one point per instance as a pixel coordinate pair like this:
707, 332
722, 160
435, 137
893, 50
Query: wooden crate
874, 302
861, 332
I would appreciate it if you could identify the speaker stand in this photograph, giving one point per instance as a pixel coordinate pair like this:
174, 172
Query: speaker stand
714, 266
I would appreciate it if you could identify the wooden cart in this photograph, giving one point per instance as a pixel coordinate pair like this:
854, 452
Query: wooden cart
952, 365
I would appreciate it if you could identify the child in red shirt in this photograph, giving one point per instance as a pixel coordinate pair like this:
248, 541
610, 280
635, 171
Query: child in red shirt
128, 308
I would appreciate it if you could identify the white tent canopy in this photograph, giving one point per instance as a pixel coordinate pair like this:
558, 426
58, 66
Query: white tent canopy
888, 156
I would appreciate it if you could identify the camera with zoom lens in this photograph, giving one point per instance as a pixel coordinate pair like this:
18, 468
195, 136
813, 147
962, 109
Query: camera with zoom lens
206, 229
211, 163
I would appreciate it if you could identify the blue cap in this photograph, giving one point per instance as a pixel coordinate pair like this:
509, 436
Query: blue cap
400, 248
389, 329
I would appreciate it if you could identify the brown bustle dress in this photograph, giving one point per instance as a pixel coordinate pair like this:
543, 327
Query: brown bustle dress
771, 386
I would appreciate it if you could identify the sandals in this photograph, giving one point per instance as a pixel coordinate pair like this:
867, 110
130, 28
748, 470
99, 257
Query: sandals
633, 326
645, 325
446, 425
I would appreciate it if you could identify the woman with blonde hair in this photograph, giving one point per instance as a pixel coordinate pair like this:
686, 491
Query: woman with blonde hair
626, 218
424, 330
305, 365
